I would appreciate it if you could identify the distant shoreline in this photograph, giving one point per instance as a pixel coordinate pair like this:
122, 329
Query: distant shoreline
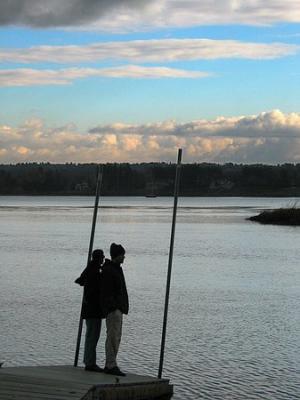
75, 194
151, 179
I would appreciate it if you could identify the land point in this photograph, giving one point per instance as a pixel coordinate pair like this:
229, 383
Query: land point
280, 216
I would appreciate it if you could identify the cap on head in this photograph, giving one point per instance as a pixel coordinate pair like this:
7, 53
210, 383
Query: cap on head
116, 250
97, 254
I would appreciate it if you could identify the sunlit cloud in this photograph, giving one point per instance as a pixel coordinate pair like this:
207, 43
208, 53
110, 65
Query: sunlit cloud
269, 137
162, 50
266, 124
122, 15
31, 77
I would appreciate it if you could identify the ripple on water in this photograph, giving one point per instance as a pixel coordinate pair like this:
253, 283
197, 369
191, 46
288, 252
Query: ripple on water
234, 322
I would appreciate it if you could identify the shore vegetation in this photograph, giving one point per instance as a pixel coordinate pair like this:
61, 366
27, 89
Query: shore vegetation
151, 179
280, 216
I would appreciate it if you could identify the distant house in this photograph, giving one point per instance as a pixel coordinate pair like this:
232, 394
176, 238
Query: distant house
221, 184
81, 187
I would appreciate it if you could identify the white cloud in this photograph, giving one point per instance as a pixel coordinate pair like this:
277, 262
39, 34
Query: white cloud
184, 13
30, 77
270, 137
159, 50
122, 15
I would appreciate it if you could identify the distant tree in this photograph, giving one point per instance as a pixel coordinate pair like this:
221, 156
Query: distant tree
203, 179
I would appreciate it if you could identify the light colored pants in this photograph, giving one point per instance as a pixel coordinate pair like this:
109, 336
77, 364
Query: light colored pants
114, 322
92, 334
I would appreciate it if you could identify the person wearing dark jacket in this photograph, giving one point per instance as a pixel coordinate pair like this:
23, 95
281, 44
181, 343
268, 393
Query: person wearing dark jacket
91, 308
114, 305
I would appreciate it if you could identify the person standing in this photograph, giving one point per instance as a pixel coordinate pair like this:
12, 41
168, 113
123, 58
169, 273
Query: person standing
114, 304
91, 308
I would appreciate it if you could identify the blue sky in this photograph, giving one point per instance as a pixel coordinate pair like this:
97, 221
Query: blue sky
129, 81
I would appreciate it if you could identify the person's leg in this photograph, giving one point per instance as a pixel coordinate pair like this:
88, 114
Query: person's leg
113, 337
93, 328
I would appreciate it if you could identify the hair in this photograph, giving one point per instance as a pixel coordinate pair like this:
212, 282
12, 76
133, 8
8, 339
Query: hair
98, 253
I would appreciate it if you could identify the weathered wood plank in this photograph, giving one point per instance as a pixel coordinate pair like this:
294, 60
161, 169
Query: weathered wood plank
69, 383
130, 392
23, 388
8, 395
14, 379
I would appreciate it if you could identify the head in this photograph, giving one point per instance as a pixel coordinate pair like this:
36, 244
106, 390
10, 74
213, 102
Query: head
98, 256
117, 253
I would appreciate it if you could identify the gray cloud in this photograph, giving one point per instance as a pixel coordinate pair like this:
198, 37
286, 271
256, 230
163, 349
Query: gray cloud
128, 15
60, 13
201, 140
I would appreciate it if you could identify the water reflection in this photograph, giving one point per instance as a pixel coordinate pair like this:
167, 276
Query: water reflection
233, 330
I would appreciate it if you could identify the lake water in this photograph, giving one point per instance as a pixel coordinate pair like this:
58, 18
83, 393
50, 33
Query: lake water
234, 320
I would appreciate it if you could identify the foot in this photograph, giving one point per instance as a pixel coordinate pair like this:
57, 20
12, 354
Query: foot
114, 371
93, 368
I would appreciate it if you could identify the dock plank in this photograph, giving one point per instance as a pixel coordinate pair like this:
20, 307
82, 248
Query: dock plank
69, 383
38, 381
42, 390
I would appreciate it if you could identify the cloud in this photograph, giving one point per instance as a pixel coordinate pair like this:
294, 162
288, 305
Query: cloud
31, 77
57, 13
269, 137
128, 15
167, 50
272, 124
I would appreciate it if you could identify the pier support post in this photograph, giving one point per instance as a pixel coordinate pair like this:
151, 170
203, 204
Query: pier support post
164, 330
97, 195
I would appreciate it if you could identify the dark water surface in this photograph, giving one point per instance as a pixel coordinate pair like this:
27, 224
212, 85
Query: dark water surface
234, 320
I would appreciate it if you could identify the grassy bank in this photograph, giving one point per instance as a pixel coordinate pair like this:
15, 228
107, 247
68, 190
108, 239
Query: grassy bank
280, 216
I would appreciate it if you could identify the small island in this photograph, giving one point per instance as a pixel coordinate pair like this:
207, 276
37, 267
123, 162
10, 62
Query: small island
280, 216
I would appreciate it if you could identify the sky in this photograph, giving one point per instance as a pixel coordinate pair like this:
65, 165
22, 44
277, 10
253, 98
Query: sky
134, 80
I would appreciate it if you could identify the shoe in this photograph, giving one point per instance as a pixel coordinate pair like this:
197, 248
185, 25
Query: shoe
93, 368
114, 371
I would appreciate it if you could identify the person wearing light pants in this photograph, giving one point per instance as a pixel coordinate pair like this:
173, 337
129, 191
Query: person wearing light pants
114, 304
114, 322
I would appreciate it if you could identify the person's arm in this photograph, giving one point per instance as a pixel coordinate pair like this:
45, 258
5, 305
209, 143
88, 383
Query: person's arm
81, 280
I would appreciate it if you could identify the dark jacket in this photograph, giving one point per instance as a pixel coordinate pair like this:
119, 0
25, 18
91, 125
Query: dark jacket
113, 289
91, 280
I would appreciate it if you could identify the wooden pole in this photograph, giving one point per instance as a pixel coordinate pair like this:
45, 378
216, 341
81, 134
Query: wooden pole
163, 338
98, 187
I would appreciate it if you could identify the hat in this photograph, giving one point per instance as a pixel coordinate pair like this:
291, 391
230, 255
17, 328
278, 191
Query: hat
116, 250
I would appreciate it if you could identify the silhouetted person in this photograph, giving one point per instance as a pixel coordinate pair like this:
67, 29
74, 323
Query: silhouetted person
91, 308
114, 305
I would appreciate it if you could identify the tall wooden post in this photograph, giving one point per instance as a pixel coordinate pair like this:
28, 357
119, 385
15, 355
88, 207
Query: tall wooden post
163, 338
98, 187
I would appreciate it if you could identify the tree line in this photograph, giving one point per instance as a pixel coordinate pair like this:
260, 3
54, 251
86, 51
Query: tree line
124, 179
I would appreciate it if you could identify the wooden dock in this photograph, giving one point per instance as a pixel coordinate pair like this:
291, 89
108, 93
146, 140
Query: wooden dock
67, 382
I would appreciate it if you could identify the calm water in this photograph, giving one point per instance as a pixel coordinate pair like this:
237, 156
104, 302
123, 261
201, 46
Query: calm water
234, 321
